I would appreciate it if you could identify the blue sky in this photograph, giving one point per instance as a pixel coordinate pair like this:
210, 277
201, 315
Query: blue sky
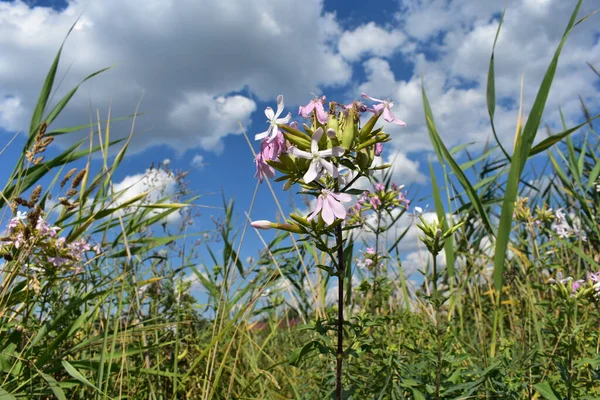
205, 67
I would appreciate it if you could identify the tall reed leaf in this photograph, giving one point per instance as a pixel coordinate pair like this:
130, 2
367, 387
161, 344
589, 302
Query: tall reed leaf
523, 145
443, 153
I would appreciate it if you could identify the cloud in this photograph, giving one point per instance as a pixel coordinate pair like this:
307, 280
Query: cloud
370, 39
451, 52
201, 66
198, 161
158, 183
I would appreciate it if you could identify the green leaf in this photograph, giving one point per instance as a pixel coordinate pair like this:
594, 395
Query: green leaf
443, 153
4, 395
491, 88
54, 386
548, 142
545, 390
71, 370
522, 149
441, 214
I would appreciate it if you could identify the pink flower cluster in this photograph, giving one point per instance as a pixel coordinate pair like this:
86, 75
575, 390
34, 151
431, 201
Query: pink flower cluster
323, 161
381, 199
576, 286
369, 260
43, 244
269, 151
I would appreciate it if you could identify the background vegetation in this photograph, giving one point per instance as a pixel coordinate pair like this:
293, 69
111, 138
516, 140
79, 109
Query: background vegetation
98, 308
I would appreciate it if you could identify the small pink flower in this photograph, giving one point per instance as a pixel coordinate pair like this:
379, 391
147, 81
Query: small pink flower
359, 105
365, 197
271, 150
378, 149
384, 106
370, 250
402, 198
576, 285
379, 187
315, 105
330, 207
262, 168
375, 202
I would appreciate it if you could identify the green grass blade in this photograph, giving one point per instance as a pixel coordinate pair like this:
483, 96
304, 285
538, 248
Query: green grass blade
65, 100
442, 151
441, 214
552, 140
522, 149
491, 88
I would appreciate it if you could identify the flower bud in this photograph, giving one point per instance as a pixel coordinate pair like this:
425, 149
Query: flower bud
262, 224
349, 129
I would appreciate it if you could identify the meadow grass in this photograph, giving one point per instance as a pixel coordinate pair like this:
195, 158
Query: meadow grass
512, 313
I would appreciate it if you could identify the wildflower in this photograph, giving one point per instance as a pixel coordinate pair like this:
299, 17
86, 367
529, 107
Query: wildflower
274, 120
364, 197
330, 207
576, 285
318, 157
384, 106
402, 199
379, 187
262, 168
360, 106
57, 261
559, 215
370, 250
13, 223
378, 149
375, 202
44, 228
418, 212
271, 150
316, 106
559, 278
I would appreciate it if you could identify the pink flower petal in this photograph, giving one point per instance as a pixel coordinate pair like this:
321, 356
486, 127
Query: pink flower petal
389, 117
365, 96
305, 111
345, 197
318, 208
336, 207
322, 115
327, 213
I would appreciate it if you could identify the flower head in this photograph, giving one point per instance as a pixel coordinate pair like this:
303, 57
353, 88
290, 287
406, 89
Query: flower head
262, 168
274, 120
316, 106
378, 149
272, 149
375, 202
384, 106
318, 157
330, 207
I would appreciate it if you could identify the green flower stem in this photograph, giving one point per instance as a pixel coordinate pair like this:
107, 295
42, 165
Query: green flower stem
340, 331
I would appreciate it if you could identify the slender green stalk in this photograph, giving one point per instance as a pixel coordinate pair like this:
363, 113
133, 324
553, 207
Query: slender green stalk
340, 323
